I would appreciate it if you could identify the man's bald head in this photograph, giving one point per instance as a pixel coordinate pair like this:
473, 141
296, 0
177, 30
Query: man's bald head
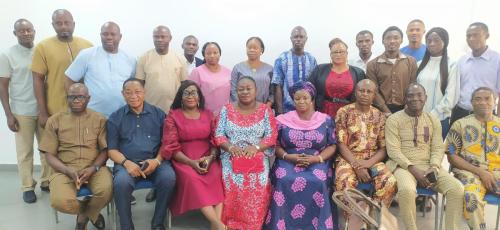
161, 28
22, 21
298, 29
61, 12
78, 88
365, 93
367, 83
298, 38
25, 33
110, 25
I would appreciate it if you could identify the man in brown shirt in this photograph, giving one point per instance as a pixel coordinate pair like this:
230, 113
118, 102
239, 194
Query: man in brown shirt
392, 72
74, 143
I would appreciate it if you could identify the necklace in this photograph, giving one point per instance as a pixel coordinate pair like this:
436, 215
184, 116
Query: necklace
253, 68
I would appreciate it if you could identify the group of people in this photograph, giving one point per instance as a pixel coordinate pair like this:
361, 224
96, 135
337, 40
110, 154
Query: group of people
261, 146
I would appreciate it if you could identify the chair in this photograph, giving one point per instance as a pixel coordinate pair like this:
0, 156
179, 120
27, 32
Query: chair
494, 199
140, 184
364, 187
429, 193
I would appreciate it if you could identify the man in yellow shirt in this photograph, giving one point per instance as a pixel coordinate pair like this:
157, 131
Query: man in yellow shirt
51, 58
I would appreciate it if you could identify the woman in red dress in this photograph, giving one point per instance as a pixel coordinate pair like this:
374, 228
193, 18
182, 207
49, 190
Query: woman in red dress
187, 136
335, 81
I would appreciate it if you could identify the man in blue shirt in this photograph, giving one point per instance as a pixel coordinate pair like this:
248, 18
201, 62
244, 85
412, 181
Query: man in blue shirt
415, 32
290, 67
103, 69
134, 139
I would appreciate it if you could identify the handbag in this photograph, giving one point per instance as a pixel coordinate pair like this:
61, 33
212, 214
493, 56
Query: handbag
377, 216
248, 165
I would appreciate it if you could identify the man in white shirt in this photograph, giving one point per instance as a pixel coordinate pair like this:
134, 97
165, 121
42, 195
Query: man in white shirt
364, 42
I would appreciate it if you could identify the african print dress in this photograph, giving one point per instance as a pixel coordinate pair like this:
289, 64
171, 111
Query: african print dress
246, 194
301, 196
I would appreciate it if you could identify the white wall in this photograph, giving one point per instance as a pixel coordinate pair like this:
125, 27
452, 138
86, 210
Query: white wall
231, 22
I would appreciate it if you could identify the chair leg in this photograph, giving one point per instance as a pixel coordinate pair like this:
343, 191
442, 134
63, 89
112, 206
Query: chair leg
169, 219
57, 216
113, 213
436, 215
498, 217
425, 206
442, 213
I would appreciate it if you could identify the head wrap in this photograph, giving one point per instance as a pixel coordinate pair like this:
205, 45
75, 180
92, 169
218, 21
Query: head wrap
303, 85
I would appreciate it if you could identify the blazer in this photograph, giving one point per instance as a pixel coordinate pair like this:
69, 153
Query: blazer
318, 78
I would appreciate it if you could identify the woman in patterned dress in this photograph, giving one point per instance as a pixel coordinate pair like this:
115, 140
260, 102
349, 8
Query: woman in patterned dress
302, 173
246, 134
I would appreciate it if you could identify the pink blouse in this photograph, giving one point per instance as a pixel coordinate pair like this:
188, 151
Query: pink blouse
214, 86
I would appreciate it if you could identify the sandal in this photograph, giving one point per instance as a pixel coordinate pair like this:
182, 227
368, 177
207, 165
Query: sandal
100, 224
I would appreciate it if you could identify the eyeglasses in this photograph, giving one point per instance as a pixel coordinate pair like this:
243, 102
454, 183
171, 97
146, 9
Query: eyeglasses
74, 97
190, 93
338, 52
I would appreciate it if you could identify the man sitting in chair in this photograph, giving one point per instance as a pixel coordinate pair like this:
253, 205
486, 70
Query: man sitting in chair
361, 141
134, 139
415, 148
474, 153
74, 143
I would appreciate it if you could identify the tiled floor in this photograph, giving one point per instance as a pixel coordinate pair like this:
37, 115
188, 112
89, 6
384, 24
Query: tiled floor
17, 215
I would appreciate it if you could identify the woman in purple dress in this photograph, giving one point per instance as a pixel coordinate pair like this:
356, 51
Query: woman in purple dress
302, 173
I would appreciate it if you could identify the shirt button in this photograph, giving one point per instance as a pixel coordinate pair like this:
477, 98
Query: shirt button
393, 72
138, 126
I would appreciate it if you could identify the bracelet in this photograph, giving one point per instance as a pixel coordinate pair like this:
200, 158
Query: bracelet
321, 159
123, 161
284, 156
158, 161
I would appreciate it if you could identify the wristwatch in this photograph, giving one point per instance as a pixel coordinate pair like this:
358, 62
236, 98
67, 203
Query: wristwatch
97, 167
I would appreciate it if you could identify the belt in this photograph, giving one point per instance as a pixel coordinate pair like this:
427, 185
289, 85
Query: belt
337, 100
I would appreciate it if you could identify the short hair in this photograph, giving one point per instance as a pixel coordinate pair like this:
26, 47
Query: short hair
417, 20
257, 39
19, 21
480, 25
247, 78
364, 32
131, 80
413, 84
177, 103
337, 41
210, 43
483, 89
392, 28
189, 37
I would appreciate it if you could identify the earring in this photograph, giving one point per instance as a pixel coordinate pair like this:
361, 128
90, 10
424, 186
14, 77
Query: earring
198, 104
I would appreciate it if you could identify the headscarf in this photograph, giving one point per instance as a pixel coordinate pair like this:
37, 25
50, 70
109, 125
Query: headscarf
303, 85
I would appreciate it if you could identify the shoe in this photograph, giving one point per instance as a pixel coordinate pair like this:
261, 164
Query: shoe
45, 188
99, 223
159, 227
29, 197
151, 196
132, 200
82, 225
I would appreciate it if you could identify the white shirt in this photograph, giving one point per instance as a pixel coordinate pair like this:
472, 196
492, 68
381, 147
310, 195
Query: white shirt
438, 104
358, 62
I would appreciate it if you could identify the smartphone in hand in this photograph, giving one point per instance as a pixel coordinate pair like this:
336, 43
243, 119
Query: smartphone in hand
431, 177
144, 165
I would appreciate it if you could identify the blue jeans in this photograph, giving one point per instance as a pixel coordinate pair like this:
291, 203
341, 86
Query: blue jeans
123, 185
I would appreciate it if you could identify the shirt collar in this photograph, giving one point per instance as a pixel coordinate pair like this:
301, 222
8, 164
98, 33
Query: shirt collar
383, 58
146, 109
486, 55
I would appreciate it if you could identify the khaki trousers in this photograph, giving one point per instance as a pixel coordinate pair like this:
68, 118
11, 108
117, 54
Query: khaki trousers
63, 194
446, 184
28, 129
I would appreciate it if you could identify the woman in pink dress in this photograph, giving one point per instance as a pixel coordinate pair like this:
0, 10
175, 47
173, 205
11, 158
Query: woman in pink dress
213, 78
187, 135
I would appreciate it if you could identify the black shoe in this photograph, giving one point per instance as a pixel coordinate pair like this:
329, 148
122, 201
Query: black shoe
159, 227
132, 200
151, 196
29, 197
99, 223
45, 188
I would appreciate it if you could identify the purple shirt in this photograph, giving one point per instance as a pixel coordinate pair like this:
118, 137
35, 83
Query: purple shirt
475, 72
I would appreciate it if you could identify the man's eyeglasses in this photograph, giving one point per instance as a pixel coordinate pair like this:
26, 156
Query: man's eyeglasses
79, 97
